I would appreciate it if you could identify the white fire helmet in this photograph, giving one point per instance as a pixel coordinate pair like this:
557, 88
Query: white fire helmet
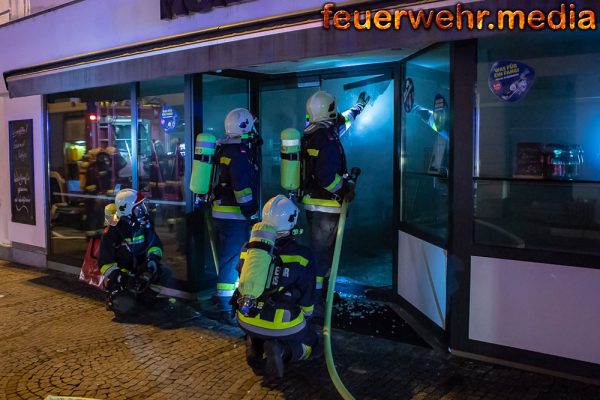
239, 122
126, 200
281, 213
321, 106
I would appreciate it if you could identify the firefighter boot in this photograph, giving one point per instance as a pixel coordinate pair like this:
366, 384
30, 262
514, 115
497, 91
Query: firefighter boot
275, 353
254, 352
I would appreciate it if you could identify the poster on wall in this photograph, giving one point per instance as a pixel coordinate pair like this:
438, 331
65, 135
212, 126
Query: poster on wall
168, 119
510, 80
22, 190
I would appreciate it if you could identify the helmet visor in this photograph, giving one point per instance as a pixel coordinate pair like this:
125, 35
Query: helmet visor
139, 214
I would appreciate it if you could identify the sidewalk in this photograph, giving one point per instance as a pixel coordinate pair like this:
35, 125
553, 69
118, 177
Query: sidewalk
56, 338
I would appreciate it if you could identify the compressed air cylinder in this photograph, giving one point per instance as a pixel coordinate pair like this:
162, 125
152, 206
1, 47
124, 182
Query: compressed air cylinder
253, 278
202, 166
290, 159
110, 215
83, 168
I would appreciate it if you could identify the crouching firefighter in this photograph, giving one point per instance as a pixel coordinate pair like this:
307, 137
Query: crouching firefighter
274, 299
130, 254
325, 181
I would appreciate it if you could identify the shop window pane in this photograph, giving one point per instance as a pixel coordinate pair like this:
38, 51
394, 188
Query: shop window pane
538, 215
220, 95
368, 145
538, 142
90, 155
280, 109
161, 164
425, 136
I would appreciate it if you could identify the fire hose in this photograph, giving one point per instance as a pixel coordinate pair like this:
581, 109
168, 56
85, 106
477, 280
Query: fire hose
335, 378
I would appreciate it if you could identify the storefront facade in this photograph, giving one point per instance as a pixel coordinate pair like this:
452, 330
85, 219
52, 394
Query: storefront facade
480, 196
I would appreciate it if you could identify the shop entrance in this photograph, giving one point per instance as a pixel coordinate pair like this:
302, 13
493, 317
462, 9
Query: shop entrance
368, 241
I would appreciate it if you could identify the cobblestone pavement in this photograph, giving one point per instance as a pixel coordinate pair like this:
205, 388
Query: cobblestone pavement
56, 338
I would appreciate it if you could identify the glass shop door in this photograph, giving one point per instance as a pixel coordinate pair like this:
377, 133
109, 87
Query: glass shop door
424, 183
368, 241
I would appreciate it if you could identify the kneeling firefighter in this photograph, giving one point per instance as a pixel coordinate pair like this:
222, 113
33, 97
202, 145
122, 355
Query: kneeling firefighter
130, 254
325, 182
274, 299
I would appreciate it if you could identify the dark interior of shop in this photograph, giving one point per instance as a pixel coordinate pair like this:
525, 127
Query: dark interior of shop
282, 92
543, 206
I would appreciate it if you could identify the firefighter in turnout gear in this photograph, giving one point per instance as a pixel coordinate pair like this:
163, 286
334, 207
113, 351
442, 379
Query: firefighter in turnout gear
130, 254
235, 204
324, 182
275, 298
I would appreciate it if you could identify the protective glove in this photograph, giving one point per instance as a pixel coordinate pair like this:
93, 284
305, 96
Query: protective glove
423, 113
363, 100
151, 269
115, 281
256, 140
253, 219
348, 191
250, 211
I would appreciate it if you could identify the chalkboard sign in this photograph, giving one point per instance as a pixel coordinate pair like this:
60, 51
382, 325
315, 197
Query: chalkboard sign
22, 188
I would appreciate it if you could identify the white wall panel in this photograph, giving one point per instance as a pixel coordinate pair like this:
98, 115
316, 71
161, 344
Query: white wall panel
551, 309
4, 177
422, 276
16, 109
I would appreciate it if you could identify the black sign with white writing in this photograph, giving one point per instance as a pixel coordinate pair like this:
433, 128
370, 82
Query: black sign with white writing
170, 9
20, 137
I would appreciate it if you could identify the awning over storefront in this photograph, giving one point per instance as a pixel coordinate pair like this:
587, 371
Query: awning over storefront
292, 37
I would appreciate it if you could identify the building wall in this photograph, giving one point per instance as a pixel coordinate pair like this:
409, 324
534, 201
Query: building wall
4, 177
33, 237
93, 25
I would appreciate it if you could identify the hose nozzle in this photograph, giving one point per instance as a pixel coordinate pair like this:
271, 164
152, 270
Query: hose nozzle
354, 174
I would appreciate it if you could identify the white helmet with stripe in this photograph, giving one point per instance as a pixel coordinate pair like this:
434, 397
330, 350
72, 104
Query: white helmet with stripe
321, 106
126, 200
281, 213
239, 122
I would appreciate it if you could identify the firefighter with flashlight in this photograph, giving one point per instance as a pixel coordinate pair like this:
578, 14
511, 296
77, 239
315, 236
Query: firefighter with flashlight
233, 189
274, 299
324, 181
130, 254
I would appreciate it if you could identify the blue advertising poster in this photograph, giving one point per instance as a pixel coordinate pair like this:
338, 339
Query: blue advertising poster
168, 119
511, 80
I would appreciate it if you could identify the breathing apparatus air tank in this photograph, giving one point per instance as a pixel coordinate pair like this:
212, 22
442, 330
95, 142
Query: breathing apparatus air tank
202, 166
110, 215
290, 159
253, 279
83, 168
